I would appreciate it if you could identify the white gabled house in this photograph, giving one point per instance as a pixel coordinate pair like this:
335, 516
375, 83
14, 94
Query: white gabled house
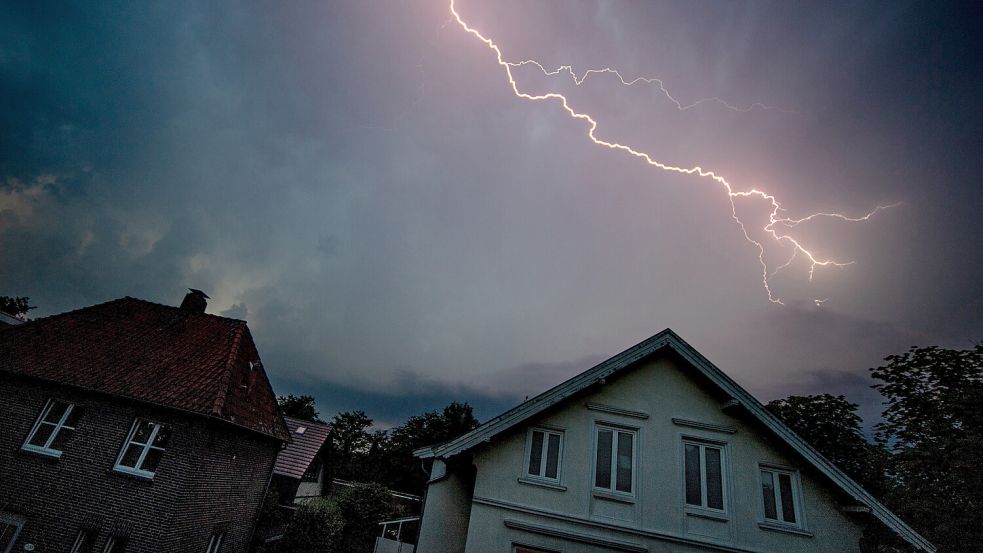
653, 450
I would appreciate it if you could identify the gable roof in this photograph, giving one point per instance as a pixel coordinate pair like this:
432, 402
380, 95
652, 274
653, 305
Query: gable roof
294, 459
669, 339
158, 354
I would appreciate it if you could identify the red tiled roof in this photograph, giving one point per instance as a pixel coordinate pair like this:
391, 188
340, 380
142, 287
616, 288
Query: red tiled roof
294, 459
149, 352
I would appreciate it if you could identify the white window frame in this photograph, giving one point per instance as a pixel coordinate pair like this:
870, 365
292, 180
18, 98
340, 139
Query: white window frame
17, 522
136, 471
111, 542
80, 540
613, 490
215, 542
725, 496
796, 496
46, 449
544, 453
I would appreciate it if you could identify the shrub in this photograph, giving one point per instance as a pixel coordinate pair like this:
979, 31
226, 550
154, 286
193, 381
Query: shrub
316, 527
363, 507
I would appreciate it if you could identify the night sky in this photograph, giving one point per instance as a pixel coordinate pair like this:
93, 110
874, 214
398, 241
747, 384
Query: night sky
358, 181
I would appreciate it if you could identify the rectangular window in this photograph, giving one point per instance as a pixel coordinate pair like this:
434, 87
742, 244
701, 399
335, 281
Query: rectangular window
83, 542
143, 448
313, 472
53, 428
614, 459
115, 544
10, 527
545, 448
703, 466
779, 495
215, 543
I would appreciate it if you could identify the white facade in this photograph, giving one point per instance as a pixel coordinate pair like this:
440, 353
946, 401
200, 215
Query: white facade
635, 425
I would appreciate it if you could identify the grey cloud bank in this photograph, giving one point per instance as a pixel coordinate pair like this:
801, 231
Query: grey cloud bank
358, 182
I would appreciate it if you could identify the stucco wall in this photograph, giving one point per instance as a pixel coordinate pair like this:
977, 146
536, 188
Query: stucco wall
446, 512
657, 515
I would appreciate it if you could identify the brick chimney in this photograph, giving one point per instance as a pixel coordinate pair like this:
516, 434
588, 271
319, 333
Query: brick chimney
195, 301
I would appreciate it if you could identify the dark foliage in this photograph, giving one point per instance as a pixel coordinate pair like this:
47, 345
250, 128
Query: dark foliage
298, 407
423, 430
362, 507
351, 441
934, 424
316, 527
831, 425
15, 306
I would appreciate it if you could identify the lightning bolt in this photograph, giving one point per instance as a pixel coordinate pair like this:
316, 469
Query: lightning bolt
648, 80
775, 219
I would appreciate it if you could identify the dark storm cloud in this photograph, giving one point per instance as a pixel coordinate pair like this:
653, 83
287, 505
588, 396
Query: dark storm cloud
357, 182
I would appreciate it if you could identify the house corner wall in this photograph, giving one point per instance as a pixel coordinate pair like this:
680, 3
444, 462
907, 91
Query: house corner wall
444, 528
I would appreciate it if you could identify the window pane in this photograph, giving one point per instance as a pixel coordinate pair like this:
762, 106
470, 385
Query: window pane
623, 482
73, 416
57, 410
553, 456
142, 434
40, 436
715, 484
602, 474
163, 435
788, 507
61, 438
152, 458
768, 494
536, 454
131, 456
694, 490
7, 532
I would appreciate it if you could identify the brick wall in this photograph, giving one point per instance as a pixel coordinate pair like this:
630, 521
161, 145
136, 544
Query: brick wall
212, 476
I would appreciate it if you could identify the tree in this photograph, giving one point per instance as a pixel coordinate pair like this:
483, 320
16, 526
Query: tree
423, 430
298, 407
831, 425
934, 424
351, 441
15, 306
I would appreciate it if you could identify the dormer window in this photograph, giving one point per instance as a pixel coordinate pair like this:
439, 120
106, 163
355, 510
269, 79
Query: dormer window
143, 448
300, 430
53, 428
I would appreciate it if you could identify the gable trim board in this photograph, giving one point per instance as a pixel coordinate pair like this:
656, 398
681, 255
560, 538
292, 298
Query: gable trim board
739, 397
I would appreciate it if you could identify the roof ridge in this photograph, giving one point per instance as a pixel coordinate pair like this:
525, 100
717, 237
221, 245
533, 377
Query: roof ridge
223, 390
72, 312
127, 299
627, 358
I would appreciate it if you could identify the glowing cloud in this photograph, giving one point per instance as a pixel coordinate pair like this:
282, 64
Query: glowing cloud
776, 224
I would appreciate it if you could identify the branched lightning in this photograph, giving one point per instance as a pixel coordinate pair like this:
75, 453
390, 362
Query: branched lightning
775, 219
648, 80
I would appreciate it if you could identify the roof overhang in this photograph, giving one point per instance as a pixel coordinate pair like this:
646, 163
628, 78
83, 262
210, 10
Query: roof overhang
739, 398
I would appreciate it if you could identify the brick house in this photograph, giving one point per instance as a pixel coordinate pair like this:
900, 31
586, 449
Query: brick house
133, 426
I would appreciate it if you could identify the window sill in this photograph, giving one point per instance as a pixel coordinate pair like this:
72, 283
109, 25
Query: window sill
541, 483
784, 528
709, 515
143, 477
48, 454
610, 496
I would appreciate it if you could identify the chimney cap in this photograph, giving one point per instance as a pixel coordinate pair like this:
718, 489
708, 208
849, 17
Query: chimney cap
197, 292
195, 301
